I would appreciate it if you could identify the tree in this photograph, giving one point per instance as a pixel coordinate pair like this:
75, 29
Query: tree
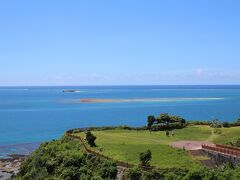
167, 133
164, 118
150, 122
226, 124
215, 123
145, 157
90, 138
177, 119
165, 122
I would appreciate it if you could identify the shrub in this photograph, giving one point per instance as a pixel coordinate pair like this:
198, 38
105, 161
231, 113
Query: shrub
153, 175
145, 157
90, 138
235, 142
207, 123
133, 174
63, 159
227, 172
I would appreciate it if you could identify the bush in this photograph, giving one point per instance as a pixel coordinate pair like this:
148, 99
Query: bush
153, 175
227, 172
235, 143
133, 174
63, 159
226, 124
207, 123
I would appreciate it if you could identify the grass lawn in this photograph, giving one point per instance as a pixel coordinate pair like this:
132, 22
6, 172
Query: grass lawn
227, 135
126, 145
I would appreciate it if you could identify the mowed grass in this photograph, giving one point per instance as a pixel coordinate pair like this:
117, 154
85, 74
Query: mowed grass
125, 145
227, 135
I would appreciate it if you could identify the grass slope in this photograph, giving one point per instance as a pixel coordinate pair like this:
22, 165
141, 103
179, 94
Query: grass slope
126, 145
227, 135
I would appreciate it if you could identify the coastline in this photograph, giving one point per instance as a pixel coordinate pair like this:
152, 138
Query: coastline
11, 157
10, 166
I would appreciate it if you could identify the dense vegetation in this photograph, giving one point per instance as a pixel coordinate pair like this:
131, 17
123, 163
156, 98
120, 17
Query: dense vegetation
216, 123
156, 123
225, 173
63, 159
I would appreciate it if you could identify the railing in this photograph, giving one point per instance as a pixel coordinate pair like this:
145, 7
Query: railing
89, 150
222, 149
229, 147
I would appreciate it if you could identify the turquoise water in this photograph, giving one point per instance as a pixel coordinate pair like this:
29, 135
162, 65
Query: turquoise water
36, 114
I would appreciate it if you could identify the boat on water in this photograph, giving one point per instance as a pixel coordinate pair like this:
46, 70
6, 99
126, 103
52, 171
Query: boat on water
70, 91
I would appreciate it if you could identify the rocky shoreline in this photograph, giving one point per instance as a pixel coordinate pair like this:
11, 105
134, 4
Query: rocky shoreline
10, 166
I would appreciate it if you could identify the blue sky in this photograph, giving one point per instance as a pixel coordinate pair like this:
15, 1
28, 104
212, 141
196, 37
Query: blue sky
119, 42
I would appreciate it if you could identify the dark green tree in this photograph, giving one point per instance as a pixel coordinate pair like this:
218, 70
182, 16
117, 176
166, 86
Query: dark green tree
90, 138
164, 118
177, 119
150, 122
145, 157
226, 124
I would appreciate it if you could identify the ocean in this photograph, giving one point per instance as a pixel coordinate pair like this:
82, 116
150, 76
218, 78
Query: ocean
30, 115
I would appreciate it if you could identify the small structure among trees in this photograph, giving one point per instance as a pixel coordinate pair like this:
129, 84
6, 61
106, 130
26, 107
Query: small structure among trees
165, 122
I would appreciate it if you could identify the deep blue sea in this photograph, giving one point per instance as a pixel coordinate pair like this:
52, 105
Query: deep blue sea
35, 114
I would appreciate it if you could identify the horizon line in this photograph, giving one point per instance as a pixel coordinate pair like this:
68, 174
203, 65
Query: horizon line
122, 85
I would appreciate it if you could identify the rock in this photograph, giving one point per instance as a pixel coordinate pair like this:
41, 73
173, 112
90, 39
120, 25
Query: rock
4, 175
10, 166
